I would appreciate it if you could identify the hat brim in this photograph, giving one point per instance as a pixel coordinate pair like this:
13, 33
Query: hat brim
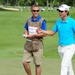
60, 9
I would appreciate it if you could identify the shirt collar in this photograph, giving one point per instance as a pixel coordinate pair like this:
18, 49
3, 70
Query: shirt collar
66, 21
37, 19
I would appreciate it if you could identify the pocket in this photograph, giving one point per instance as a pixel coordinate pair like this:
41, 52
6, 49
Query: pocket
28, 46
35, 45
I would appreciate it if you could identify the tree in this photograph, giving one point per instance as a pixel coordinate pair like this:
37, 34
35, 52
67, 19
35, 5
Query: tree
40, 2
35, 2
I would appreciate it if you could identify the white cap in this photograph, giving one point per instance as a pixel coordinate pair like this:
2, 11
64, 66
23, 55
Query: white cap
63, 7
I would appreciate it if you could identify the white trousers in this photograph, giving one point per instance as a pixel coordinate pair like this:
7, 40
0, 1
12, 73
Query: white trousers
66, 53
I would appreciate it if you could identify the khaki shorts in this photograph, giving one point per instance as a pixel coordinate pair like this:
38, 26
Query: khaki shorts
36, 56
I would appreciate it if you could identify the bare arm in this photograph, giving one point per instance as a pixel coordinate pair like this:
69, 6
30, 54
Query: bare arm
34, 35
25, 32
48, 32
40, 35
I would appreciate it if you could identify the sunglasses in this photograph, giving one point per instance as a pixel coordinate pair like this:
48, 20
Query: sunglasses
60, 11
35, 10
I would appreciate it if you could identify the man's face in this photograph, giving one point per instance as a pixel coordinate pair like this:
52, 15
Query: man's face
35, 11
63, 13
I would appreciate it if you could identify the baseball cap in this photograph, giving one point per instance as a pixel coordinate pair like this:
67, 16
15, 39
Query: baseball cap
63, 7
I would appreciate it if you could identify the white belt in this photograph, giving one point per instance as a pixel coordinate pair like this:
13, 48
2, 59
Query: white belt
29, 40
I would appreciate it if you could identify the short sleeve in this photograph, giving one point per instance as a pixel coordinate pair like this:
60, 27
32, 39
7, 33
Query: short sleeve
55, 28
26, 26
73, 26
44, 27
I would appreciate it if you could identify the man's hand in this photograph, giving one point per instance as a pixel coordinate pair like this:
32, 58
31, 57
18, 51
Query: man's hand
31, 36
25, 36
39, 30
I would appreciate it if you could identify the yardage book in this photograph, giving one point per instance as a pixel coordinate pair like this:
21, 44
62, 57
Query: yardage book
32, 30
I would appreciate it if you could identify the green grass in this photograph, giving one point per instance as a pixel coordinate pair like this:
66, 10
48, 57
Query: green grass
14, 67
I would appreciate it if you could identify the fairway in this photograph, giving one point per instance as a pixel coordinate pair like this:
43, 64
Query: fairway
14, 67
12, 42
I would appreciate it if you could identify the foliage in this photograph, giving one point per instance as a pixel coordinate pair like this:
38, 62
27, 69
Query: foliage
40, 2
